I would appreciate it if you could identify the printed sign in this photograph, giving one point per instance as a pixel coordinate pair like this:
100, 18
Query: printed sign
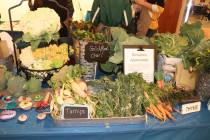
74, 111
97, 52
191, 107
141, 59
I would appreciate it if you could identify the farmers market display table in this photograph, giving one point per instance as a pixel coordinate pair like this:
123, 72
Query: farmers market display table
194, 126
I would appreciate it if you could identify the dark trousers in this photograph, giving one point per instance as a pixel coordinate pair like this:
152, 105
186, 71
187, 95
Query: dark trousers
151, 32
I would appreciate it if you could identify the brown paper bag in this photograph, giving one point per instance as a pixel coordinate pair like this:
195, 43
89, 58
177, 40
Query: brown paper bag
4, 50
185, 79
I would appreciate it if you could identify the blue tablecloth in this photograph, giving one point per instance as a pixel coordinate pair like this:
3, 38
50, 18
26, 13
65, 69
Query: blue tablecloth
195, 126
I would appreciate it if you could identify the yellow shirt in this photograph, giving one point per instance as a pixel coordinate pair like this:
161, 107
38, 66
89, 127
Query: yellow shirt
155, 14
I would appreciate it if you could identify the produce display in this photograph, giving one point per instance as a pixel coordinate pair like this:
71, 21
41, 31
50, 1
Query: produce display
121, 96
52, 56
37, 29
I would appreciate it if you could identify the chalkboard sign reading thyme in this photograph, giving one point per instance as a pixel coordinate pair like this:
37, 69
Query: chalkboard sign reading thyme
97, 52
75, 111
141, 59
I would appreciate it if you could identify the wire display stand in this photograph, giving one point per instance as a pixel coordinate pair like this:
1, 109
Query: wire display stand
35, 73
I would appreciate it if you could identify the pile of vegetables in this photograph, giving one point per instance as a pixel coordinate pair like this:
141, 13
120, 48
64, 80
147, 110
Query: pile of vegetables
120, 38
127, 96
130, 95
73, 91
45, 58
17, 85
37, 29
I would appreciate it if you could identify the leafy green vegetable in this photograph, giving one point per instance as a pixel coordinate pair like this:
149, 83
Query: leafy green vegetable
66, 72
4, 76
123, 97
198, 57
15, 85
89, 36
159, 75
193, 32
33, 85
120, 38
170, 44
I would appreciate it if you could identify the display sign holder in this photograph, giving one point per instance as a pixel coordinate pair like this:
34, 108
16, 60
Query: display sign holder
141, 59
97, 52
74, 111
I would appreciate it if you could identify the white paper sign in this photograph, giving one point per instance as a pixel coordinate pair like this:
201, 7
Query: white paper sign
191, 107
141, 61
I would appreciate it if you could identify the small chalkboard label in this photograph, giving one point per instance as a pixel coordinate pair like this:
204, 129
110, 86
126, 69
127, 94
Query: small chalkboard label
75, 111
97, 52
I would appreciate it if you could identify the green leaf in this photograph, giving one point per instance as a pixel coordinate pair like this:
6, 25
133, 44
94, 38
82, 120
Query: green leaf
107, 67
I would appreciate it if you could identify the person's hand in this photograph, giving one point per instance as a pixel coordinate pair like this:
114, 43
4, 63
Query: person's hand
136, 7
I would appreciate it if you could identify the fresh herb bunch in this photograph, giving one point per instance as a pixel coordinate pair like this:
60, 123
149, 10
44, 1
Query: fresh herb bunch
123, 97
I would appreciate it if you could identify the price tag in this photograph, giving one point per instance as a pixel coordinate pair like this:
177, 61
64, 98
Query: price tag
74, 111
141, 59
191, 107
97, 52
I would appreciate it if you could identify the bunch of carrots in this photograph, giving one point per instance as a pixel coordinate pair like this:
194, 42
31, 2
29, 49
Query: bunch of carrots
161, 111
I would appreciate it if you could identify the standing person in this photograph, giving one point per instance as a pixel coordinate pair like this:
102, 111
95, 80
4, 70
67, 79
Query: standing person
155, 9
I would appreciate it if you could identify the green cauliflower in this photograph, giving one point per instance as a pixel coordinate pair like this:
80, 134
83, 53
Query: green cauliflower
33, 85
15, 85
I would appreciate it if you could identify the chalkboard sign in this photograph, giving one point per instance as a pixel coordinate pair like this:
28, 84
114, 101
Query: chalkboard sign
97, 52
74, 111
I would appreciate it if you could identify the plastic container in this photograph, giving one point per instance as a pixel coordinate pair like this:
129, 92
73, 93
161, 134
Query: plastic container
100, 121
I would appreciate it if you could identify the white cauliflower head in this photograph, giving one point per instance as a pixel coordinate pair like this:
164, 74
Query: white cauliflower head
39, 22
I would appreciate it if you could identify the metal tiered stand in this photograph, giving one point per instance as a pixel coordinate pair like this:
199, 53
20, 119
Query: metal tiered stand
40, 74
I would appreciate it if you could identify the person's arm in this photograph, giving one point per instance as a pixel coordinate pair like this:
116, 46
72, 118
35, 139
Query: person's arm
144, 3
151, 7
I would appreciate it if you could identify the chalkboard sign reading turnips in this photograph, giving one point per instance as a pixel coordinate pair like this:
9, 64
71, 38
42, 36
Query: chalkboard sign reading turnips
97, 52
75, 111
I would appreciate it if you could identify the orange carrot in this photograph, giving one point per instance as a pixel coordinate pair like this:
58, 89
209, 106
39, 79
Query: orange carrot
162, 110
160, 84
152, 113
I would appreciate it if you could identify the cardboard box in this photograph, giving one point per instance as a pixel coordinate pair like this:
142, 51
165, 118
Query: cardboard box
4, 50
